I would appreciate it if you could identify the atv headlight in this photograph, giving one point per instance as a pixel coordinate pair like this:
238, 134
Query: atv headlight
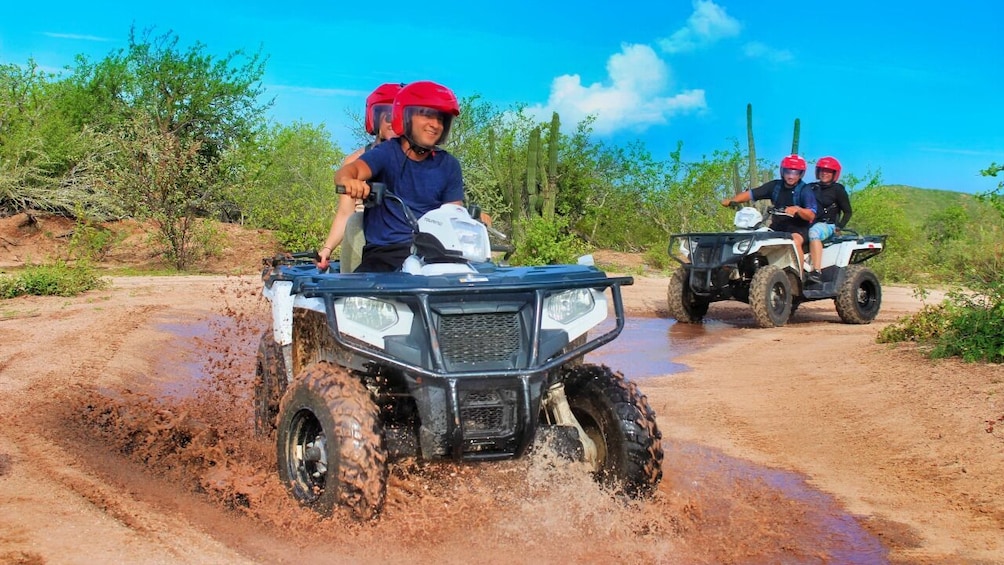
369, 312
570, 305
472, 239
685, 247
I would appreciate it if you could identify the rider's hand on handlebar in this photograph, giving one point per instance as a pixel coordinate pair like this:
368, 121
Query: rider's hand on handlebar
356, 188
726, 202
323, 258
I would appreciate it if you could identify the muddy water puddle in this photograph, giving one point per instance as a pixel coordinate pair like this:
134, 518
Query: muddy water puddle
710, 508
646, 347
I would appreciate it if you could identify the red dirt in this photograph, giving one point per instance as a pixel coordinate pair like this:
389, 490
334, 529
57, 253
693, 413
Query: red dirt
126, 436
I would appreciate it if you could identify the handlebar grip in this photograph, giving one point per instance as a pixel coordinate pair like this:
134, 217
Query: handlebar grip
374, 198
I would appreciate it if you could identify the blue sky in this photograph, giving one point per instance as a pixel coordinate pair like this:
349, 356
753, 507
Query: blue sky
908, 89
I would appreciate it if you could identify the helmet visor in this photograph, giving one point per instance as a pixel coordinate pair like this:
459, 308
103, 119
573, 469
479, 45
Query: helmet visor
445, 119
787, 172
381, 112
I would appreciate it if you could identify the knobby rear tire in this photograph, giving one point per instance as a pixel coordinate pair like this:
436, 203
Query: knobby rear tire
860, 297
269, 385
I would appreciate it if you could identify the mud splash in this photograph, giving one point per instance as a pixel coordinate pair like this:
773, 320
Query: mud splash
192, 428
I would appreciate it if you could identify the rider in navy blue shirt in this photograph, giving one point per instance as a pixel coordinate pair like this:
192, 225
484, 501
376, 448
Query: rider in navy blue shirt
412, 167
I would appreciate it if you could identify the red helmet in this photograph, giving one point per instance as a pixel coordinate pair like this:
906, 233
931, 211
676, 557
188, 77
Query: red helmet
830, 163
379, 102
793, 162
424, 94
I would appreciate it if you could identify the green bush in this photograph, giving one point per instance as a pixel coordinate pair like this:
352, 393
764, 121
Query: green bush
547, 243
968, 324
91, 241
658, 257
57, 279
976, 325
925, 326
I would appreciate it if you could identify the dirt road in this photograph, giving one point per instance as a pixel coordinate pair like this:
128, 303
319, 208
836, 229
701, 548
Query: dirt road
125, 436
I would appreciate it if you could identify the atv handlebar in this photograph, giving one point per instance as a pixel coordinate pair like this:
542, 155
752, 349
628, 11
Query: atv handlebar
374, 198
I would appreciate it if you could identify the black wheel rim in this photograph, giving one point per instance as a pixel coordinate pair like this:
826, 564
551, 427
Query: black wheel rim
867, 297
307, 455
778, 296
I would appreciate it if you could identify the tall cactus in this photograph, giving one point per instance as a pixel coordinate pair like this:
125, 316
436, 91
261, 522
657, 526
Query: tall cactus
794, 137
550, 185
531, 191
752, 148
532, 158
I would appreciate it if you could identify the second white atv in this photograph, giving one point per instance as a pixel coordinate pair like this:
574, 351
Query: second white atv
759, 266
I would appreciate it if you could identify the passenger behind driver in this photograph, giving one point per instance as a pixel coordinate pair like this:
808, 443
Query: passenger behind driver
792, 195
379, 104
834, 211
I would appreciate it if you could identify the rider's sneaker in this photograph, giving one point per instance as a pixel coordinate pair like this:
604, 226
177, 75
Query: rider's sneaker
814, 277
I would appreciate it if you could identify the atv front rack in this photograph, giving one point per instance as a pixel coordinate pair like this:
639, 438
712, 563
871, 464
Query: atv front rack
716, 249
463, 289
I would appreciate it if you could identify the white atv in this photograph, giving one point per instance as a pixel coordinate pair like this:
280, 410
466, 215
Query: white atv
759, 266
454, 357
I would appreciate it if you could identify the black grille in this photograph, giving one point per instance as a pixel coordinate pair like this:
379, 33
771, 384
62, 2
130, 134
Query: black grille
487, 412
705, 255
479, 338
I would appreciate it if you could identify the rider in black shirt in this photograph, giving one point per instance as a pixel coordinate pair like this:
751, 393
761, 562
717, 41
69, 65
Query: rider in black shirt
834, 210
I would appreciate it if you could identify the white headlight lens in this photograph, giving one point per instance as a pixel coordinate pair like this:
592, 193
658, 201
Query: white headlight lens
375, 314
471, 240
570, 305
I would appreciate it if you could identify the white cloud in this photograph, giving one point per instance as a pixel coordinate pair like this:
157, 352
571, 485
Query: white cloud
632, 98
757, 50
706, 25
75, 36
310, 91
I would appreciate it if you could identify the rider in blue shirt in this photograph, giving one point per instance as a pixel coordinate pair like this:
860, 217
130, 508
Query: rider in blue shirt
412, 167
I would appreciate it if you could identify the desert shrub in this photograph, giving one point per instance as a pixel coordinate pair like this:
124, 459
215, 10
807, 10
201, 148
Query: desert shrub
56, 279
968, 324
658, 257
924, 326
975, 329
91, 241
548, 243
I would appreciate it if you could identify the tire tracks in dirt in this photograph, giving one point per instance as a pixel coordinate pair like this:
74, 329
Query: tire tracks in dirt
169, 538
42, 461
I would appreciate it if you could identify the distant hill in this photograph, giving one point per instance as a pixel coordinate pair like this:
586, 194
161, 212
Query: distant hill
921, 203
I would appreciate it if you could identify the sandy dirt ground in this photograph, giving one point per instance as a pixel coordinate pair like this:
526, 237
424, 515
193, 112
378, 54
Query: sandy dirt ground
126, 436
